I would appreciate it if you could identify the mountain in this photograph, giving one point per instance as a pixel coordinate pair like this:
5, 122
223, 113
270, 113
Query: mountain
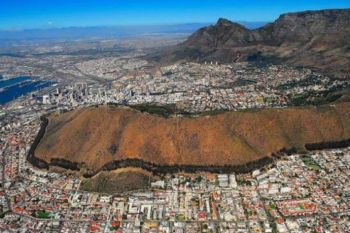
94, 137
71, 33
316, 39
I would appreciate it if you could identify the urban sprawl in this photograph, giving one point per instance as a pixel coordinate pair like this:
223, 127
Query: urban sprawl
297, 193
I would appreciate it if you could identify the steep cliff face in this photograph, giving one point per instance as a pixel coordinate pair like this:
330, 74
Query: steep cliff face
224, 34
304, 26
317, 39
98, 136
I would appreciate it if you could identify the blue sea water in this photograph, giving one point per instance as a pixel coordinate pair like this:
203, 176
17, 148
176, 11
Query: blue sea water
20, 88
12, 81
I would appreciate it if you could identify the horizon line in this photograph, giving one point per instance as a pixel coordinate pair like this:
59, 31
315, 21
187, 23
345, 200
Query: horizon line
51, 25
121, 25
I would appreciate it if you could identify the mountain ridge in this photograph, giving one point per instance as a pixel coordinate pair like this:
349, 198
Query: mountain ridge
97, 136
314, 39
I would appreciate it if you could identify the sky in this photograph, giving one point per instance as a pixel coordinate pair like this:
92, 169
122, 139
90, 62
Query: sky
30, 14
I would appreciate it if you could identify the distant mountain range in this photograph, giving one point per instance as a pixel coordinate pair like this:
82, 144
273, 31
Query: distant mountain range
106, 31
316, 39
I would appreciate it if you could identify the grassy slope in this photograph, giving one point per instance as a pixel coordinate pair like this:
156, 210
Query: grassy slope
121, 180
98, 135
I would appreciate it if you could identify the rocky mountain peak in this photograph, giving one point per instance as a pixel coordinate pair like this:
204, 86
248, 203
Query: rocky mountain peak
317, 39
224, 22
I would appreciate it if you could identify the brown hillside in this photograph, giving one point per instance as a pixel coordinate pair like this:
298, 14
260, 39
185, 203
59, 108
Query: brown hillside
97, 136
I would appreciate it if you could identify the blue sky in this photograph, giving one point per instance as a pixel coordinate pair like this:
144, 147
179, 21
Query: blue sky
23, 14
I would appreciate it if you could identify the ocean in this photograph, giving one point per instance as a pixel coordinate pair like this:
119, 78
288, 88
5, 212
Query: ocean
13, 88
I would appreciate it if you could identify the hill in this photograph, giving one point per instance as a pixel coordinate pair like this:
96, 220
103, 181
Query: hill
315, 39
95, 136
